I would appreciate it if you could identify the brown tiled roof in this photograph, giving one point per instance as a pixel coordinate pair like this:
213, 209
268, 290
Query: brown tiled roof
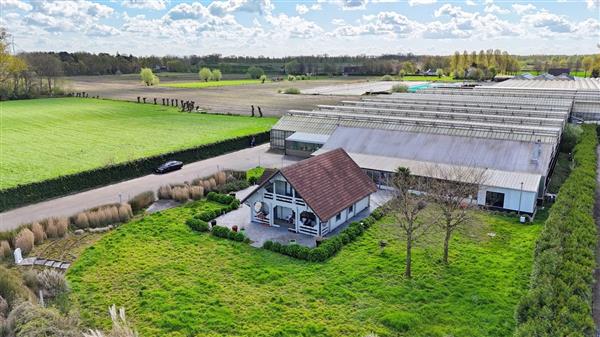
329, 182
267, 174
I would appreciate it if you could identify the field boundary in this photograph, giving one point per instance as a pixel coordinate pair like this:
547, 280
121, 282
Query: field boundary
22, 195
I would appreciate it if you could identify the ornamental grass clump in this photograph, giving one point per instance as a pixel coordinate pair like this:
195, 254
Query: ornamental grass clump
52, 283
5, 251
181, 193
25, 240
141, 201
165, 192
196, 192
38, 233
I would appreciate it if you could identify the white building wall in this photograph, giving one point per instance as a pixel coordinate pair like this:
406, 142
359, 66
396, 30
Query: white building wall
362, 204
511, 198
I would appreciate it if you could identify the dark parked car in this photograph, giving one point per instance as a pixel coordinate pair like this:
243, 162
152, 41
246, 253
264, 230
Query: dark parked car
169, 166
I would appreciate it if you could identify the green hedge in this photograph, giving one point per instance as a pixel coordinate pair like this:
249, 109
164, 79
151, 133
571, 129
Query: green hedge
559, 301
329, 247
226, 233
35, 192
198, 221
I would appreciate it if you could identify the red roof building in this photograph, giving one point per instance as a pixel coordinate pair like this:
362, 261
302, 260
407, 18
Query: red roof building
314, 196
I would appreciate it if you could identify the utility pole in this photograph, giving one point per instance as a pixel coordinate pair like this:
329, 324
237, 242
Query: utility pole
520, 197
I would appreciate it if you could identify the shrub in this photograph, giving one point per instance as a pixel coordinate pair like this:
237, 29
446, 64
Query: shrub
570, 137
29, 320
223, 199
291, 91
377, 213
141, 201
197, 225
291, 78
38, 233
165, 192
399, 88
5, 251
81, 220
268, 245
52, 283
253, 174
11, 287
233, 186
387, 78
30, 279
220, 231
206, 215
196, 192
25, 240
559, 299
328, 247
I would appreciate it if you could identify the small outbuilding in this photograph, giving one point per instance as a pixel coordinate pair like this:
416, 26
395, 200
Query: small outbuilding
312, 197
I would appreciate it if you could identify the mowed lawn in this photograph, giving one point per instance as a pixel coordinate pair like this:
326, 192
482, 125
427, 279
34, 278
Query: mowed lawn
47, 138
178, 283
200, 84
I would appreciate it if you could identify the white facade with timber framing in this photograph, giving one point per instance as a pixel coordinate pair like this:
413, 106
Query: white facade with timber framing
312, 197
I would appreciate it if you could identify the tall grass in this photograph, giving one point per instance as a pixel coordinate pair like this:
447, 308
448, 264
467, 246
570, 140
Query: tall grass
25, 240
141, 201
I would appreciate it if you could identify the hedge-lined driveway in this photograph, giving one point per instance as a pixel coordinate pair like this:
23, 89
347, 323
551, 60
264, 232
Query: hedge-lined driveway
69, 205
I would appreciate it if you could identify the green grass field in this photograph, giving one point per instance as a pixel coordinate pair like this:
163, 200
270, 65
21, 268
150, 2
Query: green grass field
47, 138
175, 283
430, 78
199, 84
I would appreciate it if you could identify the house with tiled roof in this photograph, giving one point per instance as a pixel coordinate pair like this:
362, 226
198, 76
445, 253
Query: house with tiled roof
312, 197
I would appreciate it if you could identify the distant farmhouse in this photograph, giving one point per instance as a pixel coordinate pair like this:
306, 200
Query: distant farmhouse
313, 197
510, 131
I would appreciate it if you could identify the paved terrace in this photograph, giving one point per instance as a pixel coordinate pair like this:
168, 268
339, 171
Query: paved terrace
71, 204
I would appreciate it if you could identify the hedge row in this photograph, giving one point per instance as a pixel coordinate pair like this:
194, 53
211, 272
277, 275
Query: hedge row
226, 233
35, 192
329, 247
229, 204
559, 301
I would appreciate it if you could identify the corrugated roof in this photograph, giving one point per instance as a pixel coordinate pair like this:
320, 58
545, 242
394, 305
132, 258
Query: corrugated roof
502, 155
492, 178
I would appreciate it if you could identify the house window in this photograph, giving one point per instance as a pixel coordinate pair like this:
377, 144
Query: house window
494, 199
338, 217
351, 209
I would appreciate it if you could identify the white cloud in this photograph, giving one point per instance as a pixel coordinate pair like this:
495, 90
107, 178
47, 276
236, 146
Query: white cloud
220, 8
302, 9
392, 24
15, 4
421, 2
294, 26
521, 9
470, 3
146, 4
548, 23
348, 5
102, 30
493, 8
592, 3
338, 22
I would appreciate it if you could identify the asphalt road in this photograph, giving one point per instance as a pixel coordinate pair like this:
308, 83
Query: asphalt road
71, 204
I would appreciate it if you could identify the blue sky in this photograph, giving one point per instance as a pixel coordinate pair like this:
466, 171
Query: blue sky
280, 28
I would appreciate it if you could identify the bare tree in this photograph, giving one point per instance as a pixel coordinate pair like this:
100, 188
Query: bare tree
407, 208
451, 191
